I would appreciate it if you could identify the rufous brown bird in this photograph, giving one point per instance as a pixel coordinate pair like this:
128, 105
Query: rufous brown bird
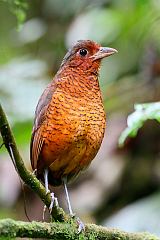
70, 120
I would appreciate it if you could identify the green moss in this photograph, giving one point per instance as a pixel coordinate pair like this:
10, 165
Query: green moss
10, 229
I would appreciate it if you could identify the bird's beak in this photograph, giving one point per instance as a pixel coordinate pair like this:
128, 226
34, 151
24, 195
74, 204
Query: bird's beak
104, 52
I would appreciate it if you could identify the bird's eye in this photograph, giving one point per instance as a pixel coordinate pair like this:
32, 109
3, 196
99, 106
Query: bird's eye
83, 52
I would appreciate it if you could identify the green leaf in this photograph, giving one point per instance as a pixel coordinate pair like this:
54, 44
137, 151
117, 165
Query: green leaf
136, 120
18, 8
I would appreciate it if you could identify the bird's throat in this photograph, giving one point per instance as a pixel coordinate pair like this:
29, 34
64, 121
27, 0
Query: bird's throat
79, 82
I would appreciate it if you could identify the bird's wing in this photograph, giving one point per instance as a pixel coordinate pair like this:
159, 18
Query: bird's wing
37, 139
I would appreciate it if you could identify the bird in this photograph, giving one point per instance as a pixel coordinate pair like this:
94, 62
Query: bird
70, 120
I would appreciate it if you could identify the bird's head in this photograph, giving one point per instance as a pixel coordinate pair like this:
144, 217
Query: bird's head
86, 54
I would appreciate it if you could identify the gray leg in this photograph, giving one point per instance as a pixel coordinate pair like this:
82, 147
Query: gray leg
67, 197
53, 199
81, 226
46, 180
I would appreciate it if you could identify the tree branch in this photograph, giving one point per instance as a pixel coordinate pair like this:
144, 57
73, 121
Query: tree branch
11, 229
28, 178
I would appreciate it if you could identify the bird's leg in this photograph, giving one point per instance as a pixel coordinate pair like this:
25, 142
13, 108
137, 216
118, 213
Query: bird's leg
53, 199
67, 197
81, 226
46, 180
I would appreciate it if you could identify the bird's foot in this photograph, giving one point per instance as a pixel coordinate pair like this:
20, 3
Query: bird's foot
48, 192
81, 226
35, 172
53, 200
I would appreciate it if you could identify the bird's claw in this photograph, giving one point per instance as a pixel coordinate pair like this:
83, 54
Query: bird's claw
35, 172
56, 202
48, 192
73, 215
81, 226
52, 202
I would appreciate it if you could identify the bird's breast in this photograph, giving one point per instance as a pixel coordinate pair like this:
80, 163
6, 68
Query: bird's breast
74, 130
75, 118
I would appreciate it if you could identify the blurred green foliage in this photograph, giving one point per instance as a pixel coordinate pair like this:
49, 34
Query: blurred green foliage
20, 127
18, 8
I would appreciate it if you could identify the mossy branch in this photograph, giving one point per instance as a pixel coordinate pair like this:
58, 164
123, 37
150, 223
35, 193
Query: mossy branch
10, 229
